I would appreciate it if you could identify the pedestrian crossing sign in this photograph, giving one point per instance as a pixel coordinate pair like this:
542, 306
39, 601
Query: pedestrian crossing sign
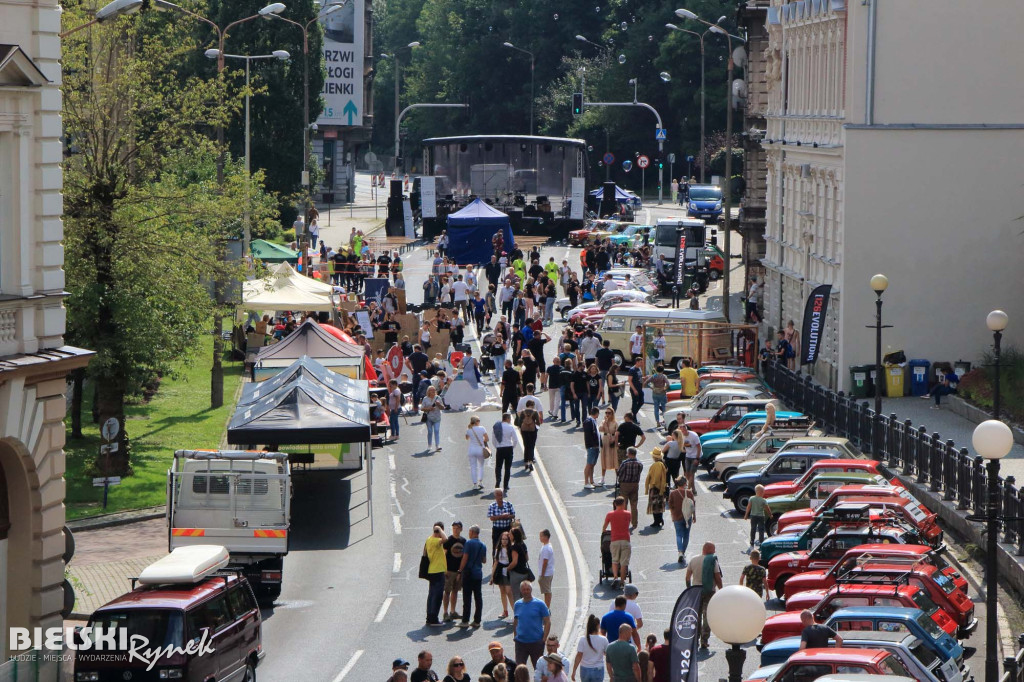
660, 134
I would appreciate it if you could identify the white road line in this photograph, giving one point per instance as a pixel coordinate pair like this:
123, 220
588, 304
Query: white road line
398, 524
391, 462
383, 611
348, 666
397, 566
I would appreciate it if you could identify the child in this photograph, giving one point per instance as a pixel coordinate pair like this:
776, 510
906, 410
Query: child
754, 573
758, 512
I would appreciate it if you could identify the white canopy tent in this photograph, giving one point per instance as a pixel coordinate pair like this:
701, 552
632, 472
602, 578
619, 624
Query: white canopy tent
285, 289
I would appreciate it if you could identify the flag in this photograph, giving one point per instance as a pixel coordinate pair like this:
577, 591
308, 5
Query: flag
683, 638
814, 323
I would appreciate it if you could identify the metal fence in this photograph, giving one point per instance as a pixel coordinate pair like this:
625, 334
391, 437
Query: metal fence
940, 464
32, 666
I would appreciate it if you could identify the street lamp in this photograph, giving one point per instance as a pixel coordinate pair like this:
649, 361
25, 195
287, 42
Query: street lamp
700, 36
267, 13
996, 321
993, 440
214, 53
726, 193
394, 57
519, 49
736, 615
584, 39
879, 283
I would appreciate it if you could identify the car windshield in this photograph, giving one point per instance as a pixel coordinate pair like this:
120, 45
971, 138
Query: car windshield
705, 194
924, 602
160, 627
929, 625
924, 654
944, 582
890, 665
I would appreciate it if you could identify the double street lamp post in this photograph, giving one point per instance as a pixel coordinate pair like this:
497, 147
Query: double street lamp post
527, 52
398, 110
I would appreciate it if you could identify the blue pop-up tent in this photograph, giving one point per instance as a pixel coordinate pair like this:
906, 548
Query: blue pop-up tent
621, 195
471, 229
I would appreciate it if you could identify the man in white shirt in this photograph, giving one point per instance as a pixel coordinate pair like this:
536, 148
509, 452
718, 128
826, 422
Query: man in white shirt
589, 345
507, 293
470, 278
565, 274
632, 608
547, 568
609, 284
636, 343
460, 294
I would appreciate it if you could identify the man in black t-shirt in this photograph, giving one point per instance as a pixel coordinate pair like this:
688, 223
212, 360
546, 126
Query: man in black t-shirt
383, 264
510, 387
636, 390
626, 435
517, 342
422, 672
453, 548
352, 270
536, 270
536, 347
417, 362
815, 636
497, 653
554, 375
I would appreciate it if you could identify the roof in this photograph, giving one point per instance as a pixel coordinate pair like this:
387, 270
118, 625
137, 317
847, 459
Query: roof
64, 358
821, 439
307, 372
837, 654
169, 596
854, 612
271, 252
311, 340
889, 549
18, 70
477, 209
873, 588
506, 138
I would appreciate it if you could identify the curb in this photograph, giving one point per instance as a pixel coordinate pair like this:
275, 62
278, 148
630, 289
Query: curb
977, 415
122, 518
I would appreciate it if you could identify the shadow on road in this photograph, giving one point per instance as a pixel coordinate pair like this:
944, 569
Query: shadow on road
329, 511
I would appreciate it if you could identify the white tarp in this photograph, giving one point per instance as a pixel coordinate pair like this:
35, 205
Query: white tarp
285, 289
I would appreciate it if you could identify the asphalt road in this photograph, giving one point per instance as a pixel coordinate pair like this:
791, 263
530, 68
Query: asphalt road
352, 601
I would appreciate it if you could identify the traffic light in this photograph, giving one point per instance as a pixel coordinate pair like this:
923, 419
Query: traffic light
660, 164
577, 103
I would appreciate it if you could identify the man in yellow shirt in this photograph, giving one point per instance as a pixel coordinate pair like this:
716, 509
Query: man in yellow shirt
552, 269
433, 549
689, 379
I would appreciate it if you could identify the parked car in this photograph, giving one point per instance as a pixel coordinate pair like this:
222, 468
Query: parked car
739, 487
183, 598
617, 327
716, 262
729, 414
739, 369
632, 234
922, 661
940, 588
743, 421
880, 495
675, 388
849, 533
841, 446
705, 202
821, 487
755, 456
681, 403
900, 619
809, 665
743, 437
788, 624
866, 465
608, 299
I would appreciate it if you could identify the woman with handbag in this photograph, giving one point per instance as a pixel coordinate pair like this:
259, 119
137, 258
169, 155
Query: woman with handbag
499, 572
609, 457
431, 407
519, 568
529, 421
656, 486
478, 451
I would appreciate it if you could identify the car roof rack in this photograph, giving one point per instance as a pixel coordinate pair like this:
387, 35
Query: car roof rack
896, 580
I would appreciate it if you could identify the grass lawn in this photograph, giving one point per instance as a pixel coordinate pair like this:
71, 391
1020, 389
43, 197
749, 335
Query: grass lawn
178, 417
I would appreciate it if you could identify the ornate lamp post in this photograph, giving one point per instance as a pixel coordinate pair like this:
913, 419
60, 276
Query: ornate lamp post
879, 283
736, 615
996, 321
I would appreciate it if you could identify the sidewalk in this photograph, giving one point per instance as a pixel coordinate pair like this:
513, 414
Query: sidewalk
950, 426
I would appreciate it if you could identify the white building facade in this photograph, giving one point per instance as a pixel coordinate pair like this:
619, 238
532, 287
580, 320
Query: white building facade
909, 167
33, 359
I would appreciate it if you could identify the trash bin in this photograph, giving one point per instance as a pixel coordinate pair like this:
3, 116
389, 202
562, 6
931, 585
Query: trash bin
919, 376
860, 380
894, 383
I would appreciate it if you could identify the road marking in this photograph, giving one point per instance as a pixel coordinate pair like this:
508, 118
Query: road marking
348, 666
397, 566
383, 611
398, 524
391, 462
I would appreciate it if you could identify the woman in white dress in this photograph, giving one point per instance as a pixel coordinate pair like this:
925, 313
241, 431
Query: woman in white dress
476, 436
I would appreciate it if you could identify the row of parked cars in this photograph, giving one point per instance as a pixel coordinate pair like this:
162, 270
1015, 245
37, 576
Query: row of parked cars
846, 541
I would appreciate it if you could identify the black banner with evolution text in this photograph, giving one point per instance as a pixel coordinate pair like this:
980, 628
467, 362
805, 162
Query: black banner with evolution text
683, 638
814, 323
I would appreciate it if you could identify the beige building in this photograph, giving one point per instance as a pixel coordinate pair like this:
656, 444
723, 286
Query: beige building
895, 133
33, 358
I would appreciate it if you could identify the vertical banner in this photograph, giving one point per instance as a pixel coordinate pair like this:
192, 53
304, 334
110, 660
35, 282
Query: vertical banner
685, 626
407, 219
681, 260
428, 196
814, 323
579, 188
344, 30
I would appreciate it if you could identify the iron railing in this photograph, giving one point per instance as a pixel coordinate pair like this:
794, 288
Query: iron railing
939, 464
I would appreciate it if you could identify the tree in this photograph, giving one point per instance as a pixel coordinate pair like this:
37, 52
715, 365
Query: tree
142, 208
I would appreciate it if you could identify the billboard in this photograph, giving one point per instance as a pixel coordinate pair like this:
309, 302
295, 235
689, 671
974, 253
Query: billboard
343, 60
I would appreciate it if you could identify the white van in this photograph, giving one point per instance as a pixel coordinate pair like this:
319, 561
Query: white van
621, 322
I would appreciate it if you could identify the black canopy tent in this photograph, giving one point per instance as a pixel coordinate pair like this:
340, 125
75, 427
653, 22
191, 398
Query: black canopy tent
311, 373
299, 413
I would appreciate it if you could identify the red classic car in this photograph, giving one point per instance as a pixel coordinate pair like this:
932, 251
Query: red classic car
871, 466
808, 665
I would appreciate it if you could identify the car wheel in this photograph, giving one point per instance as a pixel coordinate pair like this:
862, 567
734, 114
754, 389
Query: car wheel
771, 527
250, 672
621, 357
780, 585
727, 474
714, 275
679, 364
741, 499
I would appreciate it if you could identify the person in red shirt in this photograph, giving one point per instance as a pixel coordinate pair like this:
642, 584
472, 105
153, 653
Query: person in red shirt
619, 520
660, 654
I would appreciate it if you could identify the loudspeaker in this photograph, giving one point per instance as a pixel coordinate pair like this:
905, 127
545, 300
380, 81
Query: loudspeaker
608, 205
394, 226
396, 189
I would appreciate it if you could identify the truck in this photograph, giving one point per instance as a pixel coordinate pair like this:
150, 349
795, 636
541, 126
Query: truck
668, 235
240, 500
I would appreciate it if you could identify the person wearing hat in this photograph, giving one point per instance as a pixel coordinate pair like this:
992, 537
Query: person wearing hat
551, 663
631, 592
399, 670
497, 652
656, 488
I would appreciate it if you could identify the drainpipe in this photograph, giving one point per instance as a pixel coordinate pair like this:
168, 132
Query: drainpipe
869, 85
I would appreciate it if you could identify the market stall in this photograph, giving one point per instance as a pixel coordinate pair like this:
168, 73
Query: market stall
471, 229
312, 340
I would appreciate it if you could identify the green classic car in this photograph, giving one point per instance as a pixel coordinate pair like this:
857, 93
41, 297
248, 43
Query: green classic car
820, 487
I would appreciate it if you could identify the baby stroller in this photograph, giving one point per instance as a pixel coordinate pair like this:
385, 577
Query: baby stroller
605, 571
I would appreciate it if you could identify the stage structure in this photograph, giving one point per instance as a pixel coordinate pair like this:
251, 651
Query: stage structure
532, 179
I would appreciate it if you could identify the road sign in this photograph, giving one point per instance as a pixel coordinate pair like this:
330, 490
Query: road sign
110, 429
672, 157
109, 448
608, 158
660, 134
643, 161
689, 159
109, 480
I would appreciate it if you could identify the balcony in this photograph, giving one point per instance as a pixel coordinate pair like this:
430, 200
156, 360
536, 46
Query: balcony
823, 131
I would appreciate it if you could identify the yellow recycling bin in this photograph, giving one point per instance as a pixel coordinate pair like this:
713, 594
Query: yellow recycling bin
894, 381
